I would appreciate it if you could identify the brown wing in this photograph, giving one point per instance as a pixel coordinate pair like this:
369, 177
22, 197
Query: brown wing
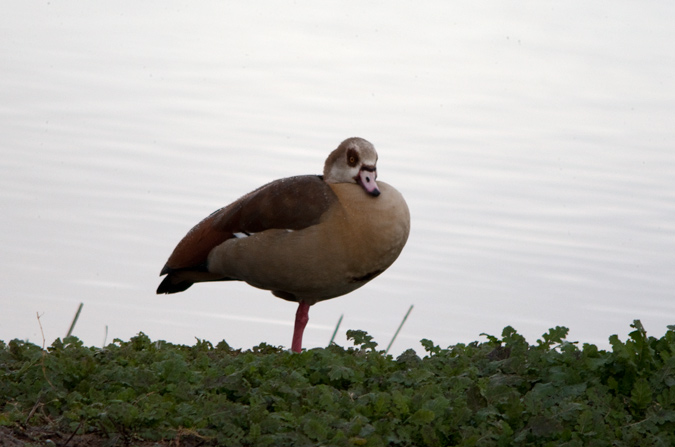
292, 203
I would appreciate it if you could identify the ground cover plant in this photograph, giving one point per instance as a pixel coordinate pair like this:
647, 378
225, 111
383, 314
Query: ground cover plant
499, 392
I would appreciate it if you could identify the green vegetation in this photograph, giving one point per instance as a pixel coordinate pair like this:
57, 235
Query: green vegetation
502, 392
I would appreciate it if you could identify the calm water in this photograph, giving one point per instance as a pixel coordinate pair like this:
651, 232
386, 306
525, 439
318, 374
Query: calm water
534, 145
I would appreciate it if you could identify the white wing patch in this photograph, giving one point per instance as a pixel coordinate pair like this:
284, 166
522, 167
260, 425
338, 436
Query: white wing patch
243, 234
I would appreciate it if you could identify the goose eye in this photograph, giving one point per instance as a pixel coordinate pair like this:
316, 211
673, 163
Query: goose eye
352, 158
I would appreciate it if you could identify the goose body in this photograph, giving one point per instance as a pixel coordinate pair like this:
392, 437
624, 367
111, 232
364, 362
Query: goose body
306, 239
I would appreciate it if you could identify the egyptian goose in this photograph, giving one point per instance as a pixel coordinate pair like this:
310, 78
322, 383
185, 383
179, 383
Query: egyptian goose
306, 239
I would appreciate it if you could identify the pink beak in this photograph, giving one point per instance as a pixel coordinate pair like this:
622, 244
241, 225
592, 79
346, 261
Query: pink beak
366, 178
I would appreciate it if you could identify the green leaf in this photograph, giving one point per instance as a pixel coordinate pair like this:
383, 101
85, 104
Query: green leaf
430, 347
553, 337
641, 395
422, 416
361, 338
315, 428
338, 372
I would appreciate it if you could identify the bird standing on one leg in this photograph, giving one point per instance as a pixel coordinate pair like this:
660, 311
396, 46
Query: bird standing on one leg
306, 239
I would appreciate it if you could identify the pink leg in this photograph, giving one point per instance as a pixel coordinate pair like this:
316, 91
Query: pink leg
301, 319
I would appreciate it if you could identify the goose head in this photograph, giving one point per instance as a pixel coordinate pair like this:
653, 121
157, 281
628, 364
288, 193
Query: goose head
354, 161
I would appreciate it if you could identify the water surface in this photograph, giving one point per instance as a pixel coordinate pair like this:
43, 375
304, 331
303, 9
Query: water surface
534, 145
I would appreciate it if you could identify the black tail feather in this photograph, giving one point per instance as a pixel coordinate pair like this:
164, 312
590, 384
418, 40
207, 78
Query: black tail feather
169, 286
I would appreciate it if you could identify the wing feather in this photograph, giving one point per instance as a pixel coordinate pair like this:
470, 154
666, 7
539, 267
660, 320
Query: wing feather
292, 203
